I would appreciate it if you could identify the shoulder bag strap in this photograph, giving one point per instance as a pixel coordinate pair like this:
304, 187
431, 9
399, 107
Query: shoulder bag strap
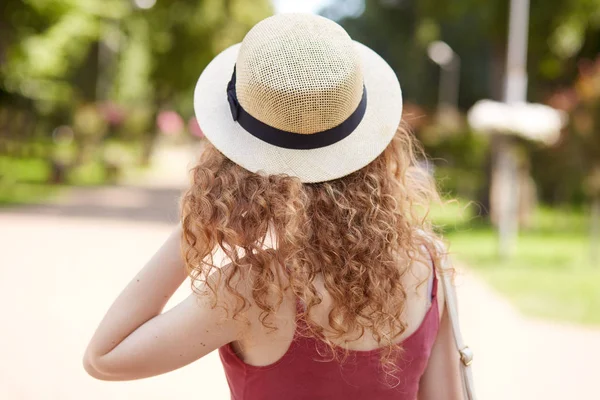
466, 355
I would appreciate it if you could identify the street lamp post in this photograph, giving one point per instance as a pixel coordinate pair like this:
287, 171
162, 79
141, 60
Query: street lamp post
449, 62
515, 91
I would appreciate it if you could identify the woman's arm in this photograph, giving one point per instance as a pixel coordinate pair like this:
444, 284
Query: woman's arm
134, 340
442, 380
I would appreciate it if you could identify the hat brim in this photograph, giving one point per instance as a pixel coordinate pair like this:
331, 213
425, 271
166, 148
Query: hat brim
363, 145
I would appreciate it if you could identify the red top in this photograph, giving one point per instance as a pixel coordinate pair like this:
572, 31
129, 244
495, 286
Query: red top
301, 374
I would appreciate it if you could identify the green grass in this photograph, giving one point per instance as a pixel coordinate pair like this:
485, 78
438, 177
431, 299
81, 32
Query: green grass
25, 180
90, 174
549, 275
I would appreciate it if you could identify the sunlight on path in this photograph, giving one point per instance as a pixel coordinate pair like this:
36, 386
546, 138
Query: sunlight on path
57, 278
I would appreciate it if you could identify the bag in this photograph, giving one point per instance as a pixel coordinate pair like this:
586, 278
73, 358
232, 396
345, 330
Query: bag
466, 355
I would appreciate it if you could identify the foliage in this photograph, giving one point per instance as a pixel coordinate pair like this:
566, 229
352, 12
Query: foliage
559, 33
578, 153
586, 121
187, 34
103, 69
460, 160
136, 55
559, 171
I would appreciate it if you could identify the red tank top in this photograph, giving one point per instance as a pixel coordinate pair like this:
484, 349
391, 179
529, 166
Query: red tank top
302, 374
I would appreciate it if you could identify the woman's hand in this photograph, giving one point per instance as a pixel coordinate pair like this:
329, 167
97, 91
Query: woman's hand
134, 340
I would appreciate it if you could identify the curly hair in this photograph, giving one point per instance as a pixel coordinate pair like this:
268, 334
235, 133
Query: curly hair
359, 233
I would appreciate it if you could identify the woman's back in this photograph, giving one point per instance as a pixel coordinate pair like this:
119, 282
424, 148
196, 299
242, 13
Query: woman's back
283, 363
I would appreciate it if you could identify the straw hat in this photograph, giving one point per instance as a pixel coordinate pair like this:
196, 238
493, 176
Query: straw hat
299, 97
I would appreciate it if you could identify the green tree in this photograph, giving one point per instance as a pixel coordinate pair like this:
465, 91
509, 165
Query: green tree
129, 54
59, 56
586, 123
560, 32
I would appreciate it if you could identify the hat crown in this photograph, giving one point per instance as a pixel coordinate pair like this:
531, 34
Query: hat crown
299, 73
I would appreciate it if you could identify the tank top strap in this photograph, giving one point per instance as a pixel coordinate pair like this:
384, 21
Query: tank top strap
434, 279
434, 285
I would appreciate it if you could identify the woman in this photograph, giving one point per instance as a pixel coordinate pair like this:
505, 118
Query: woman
303, 232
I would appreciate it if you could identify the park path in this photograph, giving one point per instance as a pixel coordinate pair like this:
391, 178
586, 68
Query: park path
62, 264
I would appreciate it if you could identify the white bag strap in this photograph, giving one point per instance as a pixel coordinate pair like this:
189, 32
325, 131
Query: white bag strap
466, 355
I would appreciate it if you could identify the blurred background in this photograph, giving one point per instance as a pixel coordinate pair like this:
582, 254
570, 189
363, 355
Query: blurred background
97, 133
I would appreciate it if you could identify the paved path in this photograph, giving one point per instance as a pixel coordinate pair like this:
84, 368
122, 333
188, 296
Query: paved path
518, 358
62, 264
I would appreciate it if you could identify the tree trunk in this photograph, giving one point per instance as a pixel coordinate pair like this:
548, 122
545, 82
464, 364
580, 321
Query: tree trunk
58, 175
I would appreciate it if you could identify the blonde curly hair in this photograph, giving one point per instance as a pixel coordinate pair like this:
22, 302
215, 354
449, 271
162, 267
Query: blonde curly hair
360, 233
